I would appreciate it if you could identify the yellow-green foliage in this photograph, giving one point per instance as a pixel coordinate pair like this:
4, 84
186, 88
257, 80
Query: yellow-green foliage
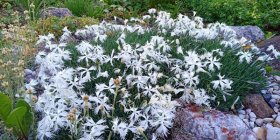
55, 25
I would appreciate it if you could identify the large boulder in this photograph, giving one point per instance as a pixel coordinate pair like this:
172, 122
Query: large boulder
192, 123
258, 105
275, 41
57, 12
253, 33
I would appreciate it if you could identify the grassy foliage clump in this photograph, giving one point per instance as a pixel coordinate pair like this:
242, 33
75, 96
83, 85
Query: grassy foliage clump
112, 81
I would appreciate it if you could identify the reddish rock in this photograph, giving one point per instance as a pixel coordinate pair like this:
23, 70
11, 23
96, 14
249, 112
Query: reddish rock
193, 123
258, 105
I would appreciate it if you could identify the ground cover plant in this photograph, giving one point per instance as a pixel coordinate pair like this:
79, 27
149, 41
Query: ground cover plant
110, 81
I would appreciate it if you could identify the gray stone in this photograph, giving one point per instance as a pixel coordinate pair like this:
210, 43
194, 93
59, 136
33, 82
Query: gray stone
267, 97
277, 97
192, 123
277, 119
267, 120
273, 133
271, 104
259, 122
253, 33
57, 12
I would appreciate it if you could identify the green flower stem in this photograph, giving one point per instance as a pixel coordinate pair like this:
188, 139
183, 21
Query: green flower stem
113, 108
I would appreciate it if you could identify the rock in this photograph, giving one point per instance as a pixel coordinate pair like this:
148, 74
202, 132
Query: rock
277, 120
192, 123
275, 41
251, 124
258, 105
271, 103
276, 88
270, 90
276, 92
242, 112
57, 12
241, 116
260, 132
277, 78
252, 119
253, 33
273, 133
263, 91
275, 109
275, 124
277, 97
267, 120
252, 115
267, 97
259, 122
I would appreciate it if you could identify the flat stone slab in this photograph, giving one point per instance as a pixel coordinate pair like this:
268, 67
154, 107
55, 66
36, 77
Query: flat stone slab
192, 123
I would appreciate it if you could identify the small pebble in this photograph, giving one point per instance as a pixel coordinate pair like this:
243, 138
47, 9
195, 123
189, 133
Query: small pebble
277, 97
252, 115
276, 88
277, 78
252, 119
246, 121
242, 112
259, 122
248, 110
277, 119
267, 97
263, 91
270, 90
276, 92
267, 120
275, 109
252, 124
241, 116
271, 103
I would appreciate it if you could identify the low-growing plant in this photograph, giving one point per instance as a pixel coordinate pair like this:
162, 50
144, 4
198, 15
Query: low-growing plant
55, 25
123, 81
17, 119
90, 8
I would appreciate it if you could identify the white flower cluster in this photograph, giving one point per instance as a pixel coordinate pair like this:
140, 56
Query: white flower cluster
65, 104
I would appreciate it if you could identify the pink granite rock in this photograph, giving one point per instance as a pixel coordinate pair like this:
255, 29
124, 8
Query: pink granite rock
192, 123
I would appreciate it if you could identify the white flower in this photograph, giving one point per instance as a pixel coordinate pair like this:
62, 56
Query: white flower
93, 130
120, 128
200, 97
247, 56
31, 86
190, 78
213, 62
223, 84
152, 11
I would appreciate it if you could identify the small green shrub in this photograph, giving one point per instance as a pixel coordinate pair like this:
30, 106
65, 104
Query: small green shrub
262, 13
85, 8
55, 25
